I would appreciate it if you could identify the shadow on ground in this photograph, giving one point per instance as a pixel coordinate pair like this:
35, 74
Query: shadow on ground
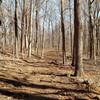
23, 95
38, 96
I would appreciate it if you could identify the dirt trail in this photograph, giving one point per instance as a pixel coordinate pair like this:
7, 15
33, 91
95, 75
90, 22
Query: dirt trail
36, 79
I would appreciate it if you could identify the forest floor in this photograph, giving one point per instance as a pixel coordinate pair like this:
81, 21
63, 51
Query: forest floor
45, 79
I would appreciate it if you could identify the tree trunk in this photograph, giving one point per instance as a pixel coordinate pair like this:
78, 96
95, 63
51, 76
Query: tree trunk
30, 31
78, 38
71, 42
43, 35
59, 31
23, 26
43, 42
36, 25
63, 33
26, 31
91, 36
0, 11
16, 28
52, 43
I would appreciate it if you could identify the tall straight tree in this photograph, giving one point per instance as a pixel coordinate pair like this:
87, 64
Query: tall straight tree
23, 26
43, 35
30, 30
91, 35
63, 31
26, 28
0, 9
97, 27
16, 28
78, 39
71, 44
36, 23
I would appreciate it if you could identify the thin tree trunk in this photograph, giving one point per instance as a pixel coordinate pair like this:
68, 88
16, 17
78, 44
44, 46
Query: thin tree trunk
26, 31
36, 25
43, 36
23, 27
91, 36
16, 28
30, 31
0, 11
52, 34
59, 31
63, 33
71, 42
43, 42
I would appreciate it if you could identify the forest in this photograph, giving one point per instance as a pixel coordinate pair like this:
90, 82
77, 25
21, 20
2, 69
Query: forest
49, 49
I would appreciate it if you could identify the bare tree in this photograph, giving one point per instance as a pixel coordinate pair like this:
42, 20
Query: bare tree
43, 35
23, 25
30, 30
71, 43
63, 32
91, 40
78, 45
16, 28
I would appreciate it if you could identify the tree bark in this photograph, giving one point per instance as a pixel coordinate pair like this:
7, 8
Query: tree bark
16, 28
63, 33
23, 27
30, 31
71, 42
78, 39
91, 36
